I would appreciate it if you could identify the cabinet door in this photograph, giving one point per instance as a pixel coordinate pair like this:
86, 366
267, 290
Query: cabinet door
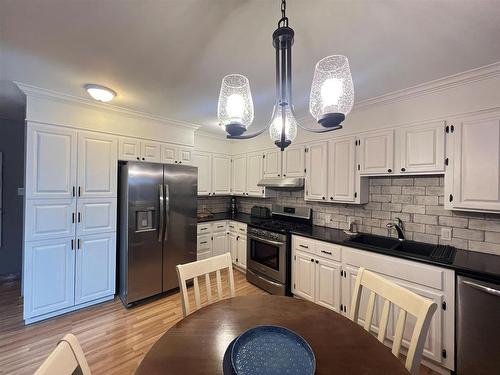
219, 243
96, 215
476, 165
239, 178
421, 148
294, 161
50, 218
272, 163
129, 148
168, 153
341, 169
254, 174
377, 152
242, 251
221, 174
185, 155
48, 276
97, 165
233, 246
328, 284
203, 161
316, 175
204, 247
95, 267
303, 275
50, 162
151, 151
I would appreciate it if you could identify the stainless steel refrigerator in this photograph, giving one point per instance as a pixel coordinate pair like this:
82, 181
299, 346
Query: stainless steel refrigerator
158, 210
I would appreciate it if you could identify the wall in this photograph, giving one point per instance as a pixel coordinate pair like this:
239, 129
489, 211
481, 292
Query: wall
418, 201
214, 204
12, 112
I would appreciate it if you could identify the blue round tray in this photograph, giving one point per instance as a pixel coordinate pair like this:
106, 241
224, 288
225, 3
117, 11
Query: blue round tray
271, 350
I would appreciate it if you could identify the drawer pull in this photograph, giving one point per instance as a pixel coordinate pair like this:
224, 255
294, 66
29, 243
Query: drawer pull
304, 246
203, 242
220, 226
326, 252
203, 228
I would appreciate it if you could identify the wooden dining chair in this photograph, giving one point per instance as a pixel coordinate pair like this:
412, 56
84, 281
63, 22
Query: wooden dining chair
408, 302
66, 359
186, 272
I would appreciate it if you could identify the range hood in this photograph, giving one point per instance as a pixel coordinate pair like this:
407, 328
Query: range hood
282, 182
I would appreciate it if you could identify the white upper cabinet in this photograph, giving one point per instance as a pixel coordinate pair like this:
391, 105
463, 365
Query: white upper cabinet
473, 176
221, 176
255, 164
129, 148
376, 152
294, 161
96, 215
51, 162
239, 175
49, 218
185, 155
97, 165
95, 267
341, 169
272, 163
168, 153
48, 276
421, 148
151, 151
316, 186
203, 160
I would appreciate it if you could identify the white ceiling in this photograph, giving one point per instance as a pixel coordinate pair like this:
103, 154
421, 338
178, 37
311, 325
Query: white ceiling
167, 57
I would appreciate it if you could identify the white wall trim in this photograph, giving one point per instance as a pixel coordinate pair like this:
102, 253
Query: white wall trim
219, 136
440, 84
31, 90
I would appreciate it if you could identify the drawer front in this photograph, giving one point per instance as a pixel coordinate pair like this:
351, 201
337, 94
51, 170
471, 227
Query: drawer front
219, 226
329, 251
204, 228
242, 228
203, 255
232, 226
204, 242
304, 244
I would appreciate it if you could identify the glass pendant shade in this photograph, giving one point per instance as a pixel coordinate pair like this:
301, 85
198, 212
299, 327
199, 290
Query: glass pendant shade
332, 91
235, 108
276, 127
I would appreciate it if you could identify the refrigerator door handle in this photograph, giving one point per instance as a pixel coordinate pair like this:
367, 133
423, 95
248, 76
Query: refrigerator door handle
167, 211
161, 199
482, 288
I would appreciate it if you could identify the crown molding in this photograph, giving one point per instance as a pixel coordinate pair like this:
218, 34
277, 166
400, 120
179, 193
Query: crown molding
440, 84
35, 91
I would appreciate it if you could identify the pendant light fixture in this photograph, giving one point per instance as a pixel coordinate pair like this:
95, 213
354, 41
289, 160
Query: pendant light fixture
331, 99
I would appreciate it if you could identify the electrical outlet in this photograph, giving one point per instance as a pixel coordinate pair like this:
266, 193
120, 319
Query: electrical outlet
446, 234
20, 191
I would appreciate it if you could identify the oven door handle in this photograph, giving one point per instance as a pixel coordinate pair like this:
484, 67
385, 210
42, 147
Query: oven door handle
269, 242
266, 280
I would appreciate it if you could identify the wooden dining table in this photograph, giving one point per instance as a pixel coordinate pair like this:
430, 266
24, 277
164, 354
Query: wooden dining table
198, 344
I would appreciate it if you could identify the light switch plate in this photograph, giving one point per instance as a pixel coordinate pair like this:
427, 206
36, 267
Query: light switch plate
446, 234
20, 191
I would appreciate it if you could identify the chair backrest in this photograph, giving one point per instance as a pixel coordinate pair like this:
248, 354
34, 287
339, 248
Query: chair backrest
408, 302
193, 270
65, 359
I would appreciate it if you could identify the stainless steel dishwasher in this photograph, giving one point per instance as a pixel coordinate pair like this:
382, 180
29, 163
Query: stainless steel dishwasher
478, 327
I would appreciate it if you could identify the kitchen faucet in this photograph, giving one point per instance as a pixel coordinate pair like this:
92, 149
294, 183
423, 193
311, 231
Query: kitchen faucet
398, 226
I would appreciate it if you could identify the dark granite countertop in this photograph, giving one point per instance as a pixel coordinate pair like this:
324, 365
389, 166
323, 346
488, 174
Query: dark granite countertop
470, 263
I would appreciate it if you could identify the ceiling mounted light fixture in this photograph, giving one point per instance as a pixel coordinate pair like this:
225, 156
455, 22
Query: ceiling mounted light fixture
331, 99
100, 93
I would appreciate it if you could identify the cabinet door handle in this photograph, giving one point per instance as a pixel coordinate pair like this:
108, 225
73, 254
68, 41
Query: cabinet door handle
73, 191
317, 261
79, 191
312, 260
79, 217
72, 244
389, 170
73, 217
138, 158
78, 243
403, 169
326, 252
323, 198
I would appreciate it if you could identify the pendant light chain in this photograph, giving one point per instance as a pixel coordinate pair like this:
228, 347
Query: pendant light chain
283, 22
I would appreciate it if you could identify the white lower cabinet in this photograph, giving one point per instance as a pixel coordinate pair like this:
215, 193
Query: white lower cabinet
325, 273
233, 245
241, 259
95, 267
219, 243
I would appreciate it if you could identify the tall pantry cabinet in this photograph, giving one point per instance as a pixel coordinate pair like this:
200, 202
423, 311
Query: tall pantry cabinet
70, 220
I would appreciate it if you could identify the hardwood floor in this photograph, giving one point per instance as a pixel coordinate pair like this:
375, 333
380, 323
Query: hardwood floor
113, 338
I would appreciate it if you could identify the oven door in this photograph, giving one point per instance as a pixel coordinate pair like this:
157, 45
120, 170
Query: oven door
267, 257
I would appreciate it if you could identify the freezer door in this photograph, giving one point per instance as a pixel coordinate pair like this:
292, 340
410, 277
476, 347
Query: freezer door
145, 182
181, 186
478, 327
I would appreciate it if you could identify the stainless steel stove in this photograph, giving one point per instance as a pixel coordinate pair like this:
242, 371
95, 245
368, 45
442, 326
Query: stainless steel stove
268, 248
